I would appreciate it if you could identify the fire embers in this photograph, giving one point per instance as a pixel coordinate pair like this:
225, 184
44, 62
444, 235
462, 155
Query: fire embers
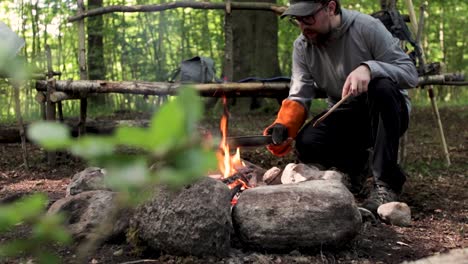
243, 179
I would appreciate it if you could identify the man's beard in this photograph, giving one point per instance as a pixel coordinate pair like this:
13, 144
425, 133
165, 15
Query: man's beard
321, 39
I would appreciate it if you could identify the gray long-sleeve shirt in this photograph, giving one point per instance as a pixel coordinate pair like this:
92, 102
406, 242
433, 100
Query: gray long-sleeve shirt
360, 39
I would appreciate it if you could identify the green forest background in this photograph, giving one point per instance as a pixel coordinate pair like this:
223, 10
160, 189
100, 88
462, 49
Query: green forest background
150, 46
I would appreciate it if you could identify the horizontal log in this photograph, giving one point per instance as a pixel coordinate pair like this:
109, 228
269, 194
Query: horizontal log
456, 79
79, 89
179, 4
262, 89
61, 96
10, 134
57, 97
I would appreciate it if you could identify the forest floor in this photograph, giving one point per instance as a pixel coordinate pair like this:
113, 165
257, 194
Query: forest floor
436, 194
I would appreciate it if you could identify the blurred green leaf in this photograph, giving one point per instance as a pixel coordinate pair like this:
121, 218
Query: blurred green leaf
195, 162
25, 209
91, 147
13, 248
171, 177
134, 174
134, 136
49, 228
167, 127
50, 135
190, 102
45, 257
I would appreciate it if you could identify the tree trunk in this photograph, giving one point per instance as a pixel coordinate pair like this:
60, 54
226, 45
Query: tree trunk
96, 67
255, 45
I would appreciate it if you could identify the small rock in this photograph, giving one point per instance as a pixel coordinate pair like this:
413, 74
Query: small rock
295, 253
271, 176
395, 213
294, 173
89, 179
118, 252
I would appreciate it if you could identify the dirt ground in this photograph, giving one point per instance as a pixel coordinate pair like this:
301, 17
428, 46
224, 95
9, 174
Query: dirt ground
437, 195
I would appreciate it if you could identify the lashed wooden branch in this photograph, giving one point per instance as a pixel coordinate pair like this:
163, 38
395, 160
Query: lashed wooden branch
73, 89
274, 89
179, 4
443, 79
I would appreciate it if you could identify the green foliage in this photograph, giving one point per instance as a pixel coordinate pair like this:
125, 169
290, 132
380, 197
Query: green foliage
171, 144
46, 229
149, 46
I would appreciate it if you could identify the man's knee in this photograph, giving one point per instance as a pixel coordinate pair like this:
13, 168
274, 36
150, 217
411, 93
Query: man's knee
307, 146
382, 88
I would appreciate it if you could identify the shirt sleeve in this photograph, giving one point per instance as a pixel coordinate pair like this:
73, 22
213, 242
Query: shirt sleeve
390, 60
302, 84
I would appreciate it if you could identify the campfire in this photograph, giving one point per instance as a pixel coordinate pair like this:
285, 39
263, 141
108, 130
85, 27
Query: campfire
233, 170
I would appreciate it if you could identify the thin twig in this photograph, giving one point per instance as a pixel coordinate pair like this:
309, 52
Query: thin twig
140, 261
331, 110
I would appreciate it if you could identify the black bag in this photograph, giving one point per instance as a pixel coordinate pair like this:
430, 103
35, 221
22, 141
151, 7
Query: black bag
196, 70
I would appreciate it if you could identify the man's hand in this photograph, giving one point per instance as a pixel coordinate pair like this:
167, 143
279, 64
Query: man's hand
282, 142
278, 132
357, 81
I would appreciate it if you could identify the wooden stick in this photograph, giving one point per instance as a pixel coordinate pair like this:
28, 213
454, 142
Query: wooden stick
178, 4
83, 66
318, 121
228, 89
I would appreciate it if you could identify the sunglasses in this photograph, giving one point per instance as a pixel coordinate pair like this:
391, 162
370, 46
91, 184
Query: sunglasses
306, 20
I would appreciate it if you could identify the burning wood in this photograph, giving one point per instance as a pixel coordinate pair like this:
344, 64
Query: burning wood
228, 164
234, 172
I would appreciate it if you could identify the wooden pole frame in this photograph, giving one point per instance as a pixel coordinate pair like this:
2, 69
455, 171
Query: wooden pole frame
430, 89
228, 5
83, 67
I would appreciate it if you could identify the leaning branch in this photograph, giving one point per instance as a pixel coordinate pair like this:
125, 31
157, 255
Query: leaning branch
179, 4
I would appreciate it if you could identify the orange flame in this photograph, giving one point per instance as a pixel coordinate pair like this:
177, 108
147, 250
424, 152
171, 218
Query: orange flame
228, 164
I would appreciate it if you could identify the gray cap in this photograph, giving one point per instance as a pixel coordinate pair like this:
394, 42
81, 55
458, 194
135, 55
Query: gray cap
301, 8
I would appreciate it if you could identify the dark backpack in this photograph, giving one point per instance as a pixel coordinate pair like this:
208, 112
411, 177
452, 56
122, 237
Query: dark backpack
395, 23
196, 70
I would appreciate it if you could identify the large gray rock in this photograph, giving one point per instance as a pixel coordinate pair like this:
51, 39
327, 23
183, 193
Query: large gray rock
302, 215
89, 179
193, 221
454, 256
87, 210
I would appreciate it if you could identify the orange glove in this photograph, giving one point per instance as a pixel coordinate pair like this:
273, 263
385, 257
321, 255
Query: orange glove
292, 115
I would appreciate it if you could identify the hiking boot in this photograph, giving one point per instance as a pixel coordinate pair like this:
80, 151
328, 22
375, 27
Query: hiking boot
379, 195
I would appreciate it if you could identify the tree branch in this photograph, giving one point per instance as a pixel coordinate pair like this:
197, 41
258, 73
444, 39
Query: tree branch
179, 4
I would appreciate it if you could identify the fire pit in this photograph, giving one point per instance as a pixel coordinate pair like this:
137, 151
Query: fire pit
312, 210
317, 211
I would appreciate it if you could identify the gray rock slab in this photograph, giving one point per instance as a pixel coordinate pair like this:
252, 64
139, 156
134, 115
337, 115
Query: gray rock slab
86, 211
454, 256
89, 179
193, 221
303, 215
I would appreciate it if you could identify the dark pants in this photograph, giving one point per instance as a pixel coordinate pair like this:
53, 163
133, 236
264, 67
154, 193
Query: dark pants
374, 120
